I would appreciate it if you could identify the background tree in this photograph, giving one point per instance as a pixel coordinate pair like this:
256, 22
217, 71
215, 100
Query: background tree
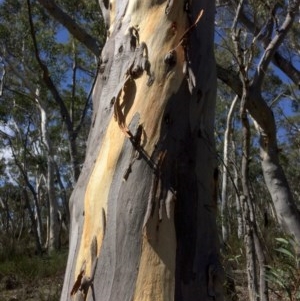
58, 118
251, 80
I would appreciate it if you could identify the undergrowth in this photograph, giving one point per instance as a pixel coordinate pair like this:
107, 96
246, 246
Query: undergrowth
32, 277
34, 267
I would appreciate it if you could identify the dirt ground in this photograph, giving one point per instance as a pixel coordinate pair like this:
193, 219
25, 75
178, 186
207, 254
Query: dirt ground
46, 289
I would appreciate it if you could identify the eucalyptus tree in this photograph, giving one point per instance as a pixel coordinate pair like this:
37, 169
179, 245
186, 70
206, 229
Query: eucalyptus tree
143, 210
262, 36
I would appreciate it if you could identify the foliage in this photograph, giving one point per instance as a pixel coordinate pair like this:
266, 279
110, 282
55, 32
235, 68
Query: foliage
34, 267
35, 277
40, 55
284, 275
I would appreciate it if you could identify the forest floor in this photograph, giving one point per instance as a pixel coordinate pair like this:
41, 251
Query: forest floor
32, 278
40, 278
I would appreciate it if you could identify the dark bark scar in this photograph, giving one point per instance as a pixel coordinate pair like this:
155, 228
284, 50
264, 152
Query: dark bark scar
136, 143
118, 114
183, 42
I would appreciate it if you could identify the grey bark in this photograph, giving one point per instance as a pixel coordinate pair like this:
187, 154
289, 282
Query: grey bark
238, 203
257, 283
161, 197
38, 211
54, 234
33, 221
262, 263
249, 215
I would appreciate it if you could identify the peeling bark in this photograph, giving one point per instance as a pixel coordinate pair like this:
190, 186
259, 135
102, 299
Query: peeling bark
147, 190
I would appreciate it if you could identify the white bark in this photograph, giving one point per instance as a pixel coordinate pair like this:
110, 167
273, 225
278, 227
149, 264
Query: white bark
53, 231
227, 136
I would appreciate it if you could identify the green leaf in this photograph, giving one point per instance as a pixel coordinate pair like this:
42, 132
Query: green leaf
282, 240
286, 252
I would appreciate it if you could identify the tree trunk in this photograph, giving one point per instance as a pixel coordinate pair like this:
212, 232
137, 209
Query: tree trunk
238, 203
258, 290
38, 217
53, 231
227, 136
33, 222
253, 286
287, 212
143, 210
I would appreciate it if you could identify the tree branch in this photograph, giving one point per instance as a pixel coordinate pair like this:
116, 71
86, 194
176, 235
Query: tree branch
78, 32
46, 76
278, 60
231, 79
274, 44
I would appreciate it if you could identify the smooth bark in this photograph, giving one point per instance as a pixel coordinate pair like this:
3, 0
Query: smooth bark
38, 210
53, 238
143, 211
227, 136
249, 216
257, 283
238, 203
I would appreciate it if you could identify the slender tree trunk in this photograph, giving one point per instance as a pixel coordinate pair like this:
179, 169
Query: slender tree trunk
33, 222
63, 195
143, 210
258, 289
238, 202
6, 220
38, 211
262, 262
74, 155
53, 232
227, 136
253, 286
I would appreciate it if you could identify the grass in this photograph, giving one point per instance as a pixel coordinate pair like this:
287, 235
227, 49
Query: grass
36, 277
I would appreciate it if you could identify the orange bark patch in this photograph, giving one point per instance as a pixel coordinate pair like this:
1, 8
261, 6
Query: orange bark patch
156, 276
97, 193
